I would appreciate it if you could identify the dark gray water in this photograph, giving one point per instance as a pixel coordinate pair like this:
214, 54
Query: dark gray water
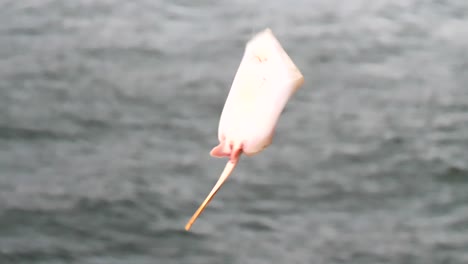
108, 110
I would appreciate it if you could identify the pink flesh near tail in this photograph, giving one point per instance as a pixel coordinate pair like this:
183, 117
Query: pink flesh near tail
230, 166
220, 151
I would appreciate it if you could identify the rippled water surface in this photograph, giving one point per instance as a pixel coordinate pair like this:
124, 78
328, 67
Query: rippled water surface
108, 110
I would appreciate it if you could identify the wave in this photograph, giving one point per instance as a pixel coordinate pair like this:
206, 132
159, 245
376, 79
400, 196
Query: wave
11, 133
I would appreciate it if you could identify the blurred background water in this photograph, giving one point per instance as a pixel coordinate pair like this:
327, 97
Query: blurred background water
108, 110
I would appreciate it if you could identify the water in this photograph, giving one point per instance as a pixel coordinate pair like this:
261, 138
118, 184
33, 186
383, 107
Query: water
108, 110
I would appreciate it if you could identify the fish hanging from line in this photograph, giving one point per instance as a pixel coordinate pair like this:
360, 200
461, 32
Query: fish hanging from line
265, 81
